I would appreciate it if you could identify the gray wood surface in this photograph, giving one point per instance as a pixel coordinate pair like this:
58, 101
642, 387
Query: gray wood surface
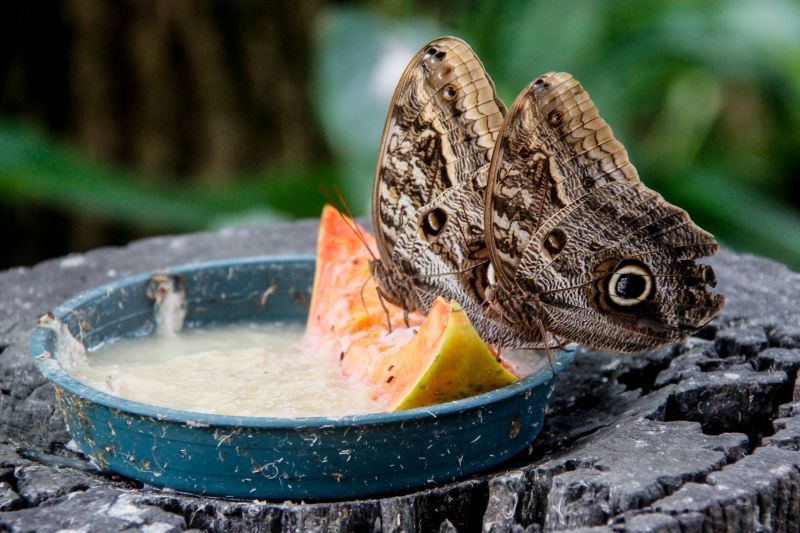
703, 435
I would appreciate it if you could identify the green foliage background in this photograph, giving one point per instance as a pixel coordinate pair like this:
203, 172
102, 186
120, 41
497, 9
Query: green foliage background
705, 96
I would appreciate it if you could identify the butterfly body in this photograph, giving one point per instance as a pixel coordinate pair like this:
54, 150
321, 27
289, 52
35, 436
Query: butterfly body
540, 227
397, 288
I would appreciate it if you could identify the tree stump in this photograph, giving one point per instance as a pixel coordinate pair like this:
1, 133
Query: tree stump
702, 435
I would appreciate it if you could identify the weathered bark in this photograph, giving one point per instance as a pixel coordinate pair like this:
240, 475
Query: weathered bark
699, 436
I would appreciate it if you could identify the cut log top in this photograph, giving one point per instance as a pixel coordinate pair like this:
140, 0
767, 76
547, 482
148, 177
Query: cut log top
701, 435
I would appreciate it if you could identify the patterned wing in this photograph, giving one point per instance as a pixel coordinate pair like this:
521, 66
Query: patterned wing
597, 257
439, 134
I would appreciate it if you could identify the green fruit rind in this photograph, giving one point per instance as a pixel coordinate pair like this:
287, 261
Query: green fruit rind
463, 367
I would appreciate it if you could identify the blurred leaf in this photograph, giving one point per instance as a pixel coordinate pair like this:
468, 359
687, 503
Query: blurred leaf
39, 170
35, 168
705, 95
360, 58
538, 37
691, 106
743, 218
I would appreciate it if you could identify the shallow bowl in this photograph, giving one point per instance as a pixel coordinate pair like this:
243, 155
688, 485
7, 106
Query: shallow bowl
271, 458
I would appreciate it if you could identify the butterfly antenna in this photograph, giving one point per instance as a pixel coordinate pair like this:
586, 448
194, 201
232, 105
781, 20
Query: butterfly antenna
385, 309
363, 301
546, 345
355, 227
348, 221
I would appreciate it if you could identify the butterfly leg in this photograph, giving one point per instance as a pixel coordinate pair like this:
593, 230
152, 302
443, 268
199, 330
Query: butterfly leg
363, 301
546, 345
385, 309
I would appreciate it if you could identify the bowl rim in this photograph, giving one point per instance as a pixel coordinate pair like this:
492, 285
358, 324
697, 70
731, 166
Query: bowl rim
46, 363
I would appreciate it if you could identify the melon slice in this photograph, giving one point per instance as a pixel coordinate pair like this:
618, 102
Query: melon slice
434, 359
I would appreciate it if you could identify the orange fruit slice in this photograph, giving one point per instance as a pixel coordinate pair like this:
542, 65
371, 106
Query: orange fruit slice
434, 359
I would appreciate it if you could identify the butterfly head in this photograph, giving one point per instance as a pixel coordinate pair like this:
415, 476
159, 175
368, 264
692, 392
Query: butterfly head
396, 287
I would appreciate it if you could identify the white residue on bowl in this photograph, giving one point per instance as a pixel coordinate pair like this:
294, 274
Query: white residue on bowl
70, 352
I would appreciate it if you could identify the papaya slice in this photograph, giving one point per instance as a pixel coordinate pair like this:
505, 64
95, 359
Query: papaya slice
431, 360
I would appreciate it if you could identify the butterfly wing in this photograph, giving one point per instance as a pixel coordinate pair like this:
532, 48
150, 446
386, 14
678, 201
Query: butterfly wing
597, 257
441, 128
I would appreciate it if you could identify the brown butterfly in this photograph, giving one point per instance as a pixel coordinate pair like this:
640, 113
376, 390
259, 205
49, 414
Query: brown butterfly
437, 145
538, 226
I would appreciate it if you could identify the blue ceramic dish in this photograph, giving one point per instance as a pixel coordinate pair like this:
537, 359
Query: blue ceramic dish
272, 458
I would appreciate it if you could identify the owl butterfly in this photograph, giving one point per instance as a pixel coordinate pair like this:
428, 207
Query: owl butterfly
434, 157
538, 226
